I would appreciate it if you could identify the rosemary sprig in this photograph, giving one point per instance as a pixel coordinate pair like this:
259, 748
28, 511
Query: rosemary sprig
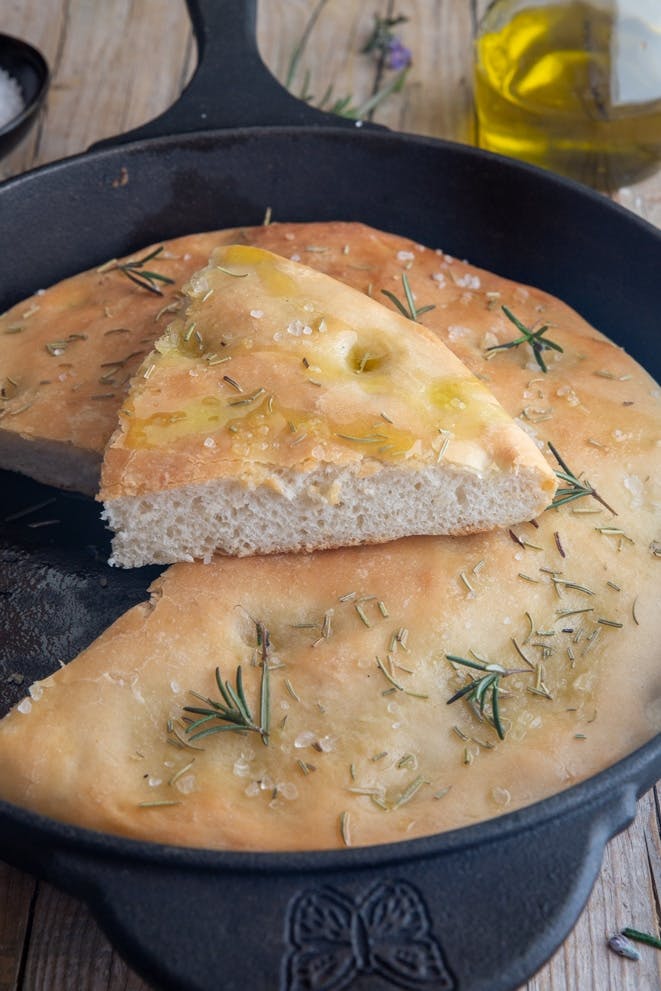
574, 488
478, 689
535, 338
137, 273
411, 311
234, 714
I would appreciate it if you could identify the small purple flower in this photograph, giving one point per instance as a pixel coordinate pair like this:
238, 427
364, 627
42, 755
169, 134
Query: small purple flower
399, 56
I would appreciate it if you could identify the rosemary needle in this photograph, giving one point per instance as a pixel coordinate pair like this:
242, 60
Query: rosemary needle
381, 666
641, 937
409, 792
411, 311
137, 273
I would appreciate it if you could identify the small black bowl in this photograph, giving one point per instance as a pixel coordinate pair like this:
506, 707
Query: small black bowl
30, 70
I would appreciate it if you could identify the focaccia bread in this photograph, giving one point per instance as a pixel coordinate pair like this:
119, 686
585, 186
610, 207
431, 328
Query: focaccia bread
285, 411
355, 755
59, 404
362, 745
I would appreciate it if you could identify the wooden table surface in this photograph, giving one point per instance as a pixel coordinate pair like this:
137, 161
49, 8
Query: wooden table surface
118, 63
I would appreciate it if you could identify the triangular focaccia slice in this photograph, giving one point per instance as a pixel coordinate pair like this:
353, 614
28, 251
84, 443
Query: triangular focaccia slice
285, 411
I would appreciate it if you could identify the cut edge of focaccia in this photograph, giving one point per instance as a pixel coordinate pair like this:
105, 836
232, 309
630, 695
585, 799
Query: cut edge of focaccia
285, 411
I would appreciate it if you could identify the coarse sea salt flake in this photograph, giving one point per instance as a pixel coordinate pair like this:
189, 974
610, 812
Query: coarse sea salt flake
257, 314
11, 98
456, 332
288, 790
636, 489
186, 784
469, 281
198, 285
305, 739
24, 706
405, 256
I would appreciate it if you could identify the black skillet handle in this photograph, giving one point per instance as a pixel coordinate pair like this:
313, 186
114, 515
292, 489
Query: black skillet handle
231, 87
478, 918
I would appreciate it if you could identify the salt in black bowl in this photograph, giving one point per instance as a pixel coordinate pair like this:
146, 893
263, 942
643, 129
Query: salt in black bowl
30, 70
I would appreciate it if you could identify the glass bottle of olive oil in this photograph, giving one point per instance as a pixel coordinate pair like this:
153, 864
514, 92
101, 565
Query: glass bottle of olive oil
572, 85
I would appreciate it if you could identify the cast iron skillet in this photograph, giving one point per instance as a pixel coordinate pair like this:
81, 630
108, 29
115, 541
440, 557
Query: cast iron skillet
477, 909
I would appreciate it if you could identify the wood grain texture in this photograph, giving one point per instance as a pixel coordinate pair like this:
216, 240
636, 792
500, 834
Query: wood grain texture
118, 63
17, 892
68, 950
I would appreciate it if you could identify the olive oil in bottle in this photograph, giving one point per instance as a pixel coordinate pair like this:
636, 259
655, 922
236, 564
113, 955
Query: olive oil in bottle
573, 86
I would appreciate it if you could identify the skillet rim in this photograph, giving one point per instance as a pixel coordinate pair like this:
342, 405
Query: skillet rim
627, 770
106, 149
